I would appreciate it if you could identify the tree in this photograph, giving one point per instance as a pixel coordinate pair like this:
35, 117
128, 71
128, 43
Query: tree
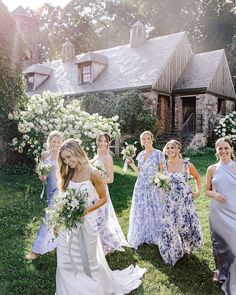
11, 56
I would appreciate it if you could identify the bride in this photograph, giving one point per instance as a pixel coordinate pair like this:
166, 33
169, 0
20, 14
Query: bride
81, 267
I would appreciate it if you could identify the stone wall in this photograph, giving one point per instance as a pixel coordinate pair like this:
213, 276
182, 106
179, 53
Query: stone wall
178, 112
199, 140
150, 102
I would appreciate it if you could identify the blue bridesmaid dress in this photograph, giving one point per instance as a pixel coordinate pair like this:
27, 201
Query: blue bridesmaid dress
45, 240
147, 203
181, 232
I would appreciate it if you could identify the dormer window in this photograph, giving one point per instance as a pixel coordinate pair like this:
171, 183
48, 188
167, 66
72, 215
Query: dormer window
86, 73
90, 66
36, 75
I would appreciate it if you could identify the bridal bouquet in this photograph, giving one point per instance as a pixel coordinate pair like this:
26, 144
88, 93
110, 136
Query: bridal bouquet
43, 169
129, 151
160, 180
100, 167
67, 209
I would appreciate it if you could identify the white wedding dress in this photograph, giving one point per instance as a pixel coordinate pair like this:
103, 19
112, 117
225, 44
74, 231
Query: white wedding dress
81, 265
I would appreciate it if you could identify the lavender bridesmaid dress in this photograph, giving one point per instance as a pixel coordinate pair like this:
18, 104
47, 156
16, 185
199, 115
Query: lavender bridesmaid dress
45, 240
223, 226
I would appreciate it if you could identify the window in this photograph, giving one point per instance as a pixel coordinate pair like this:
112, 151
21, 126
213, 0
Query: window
86, 73
30, 81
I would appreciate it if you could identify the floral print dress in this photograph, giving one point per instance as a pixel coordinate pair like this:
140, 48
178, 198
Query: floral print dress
109, 229
147, 203
181, 231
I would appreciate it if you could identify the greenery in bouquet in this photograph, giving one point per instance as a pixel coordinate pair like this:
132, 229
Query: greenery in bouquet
160, 180
128, 152
100, 167
43, 169
68, 209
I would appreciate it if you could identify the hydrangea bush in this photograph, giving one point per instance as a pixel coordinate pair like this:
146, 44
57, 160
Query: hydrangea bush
227, 127
47, 112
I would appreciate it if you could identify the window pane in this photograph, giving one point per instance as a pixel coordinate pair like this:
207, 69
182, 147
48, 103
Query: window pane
86, 70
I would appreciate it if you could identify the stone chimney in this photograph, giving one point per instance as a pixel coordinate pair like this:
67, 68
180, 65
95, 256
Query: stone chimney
137, 34
68, 51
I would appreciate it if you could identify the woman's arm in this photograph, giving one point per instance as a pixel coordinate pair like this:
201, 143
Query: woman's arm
209, 191
108, 163
100, 188
193, 171
132, 165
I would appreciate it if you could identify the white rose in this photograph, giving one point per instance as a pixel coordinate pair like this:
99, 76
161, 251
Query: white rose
10, 116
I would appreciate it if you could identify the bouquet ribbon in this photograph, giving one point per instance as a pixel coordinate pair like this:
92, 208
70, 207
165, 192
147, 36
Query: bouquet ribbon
42, 193
125, 167
82, 248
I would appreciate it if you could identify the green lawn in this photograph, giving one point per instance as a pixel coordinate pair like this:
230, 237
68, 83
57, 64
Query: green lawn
20, 214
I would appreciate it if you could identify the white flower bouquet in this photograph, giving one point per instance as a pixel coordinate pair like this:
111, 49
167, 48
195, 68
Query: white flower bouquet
67, 209
160, 180
129, 151
43, 169
100, 167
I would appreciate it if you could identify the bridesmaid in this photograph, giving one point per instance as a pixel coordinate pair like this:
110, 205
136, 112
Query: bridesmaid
181, 232
44, 241
221, 187
147, 205
110, 232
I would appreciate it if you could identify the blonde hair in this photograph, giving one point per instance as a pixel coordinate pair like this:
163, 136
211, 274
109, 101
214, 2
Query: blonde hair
65, 173
146, 133
177, 145
225, 139
52, 135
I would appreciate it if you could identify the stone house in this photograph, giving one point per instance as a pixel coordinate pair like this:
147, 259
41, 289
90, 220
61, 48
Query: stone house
187, 92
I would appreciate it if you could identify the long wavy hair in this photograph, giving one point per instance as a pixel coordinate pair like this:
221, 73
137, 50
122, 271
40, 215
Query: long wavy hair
107, 137
65, 173
225, 139
177, 145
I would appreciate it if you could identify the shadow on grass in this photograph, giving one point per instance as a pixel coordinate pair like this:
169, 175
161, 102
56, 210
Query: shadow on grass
190, 275
122, 189
20, 212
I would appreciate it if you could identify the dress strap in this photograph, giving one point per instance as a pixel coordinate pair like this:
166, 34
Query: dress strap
228, 169
185, 168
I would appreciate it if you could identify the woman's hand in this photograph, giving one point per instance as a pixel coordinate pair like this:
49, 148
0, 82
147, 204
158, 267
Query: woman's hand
218, 197
130, 161
55, 231
196, 194
43, 178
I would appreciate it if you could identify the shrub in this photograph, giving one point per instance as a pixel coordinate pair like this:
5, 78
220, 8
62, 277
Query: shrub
227, 127
48, 112
128, 106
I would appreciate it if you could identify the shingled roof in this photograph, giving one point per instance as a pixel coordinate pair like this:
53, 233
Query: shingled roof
127, 68
200, 72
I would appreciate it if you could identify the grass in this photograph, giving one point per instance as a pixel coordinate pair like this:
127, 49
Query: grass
20, 214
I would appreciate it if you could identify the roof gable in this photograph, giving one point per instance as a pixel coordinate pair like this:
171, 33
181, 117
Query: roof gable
201, 74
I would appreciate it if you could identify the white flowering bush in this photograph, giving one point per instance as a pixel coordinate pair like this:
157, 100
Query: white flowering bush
227, 127
47, 112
